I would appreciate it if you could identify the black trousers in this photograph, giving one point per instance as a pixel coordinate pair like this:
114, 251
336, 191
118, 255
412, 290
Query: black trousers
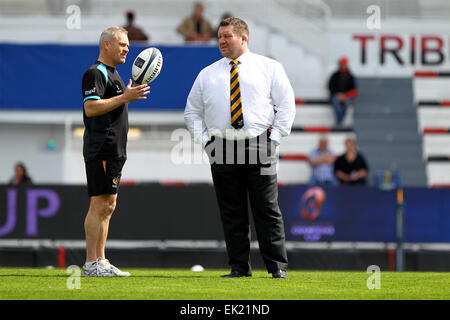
236, 184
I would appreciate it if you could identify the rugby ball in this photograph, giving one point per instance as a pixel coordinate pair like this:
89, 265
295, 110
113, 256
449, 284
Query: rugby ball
147, 66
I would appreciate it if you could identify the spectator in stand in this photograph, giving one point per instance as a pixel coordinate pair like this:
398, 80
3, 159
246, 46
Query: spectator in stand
351, 167
21, 176
195, 28
322, 164
134, 33
343, 91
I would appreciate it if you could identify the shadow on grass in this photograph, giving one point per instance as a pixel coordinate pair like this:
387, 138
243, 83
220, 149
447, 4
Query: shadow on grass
34, 275
167, 277
67, 276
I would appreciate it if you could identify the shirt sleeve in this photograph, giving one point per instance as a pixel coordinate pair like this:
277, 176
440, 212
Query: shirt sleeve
284, 101
312, 155
352, 90
194, 113
94, 85
338, 164
362, 163
332, 86
184, 28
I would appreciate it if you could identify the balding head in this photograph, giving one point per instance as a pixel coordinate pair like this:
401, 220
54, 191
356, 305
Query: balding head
110, 34
113, 46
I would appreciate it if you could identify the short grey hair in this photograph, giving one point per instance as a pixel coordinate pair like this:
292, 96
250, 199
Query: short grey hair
110, 34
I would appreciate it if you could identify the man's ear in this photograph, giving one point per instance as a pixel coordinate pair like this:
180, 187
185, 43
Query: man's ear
106, 44
245, 37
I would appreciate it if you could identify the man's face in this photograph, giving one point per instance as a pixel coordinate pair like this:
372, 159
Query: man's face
19, 171
231, 45
198, 11
323, 144
118, 49
343, 65
350, 145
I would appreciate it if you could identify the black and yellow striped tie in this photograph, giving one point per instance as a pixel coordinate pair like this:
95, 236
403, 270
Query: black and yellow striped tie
237, 118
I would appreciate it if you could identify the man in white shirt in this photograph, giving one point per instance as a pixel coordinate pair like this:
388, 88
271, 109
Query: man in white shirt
238, 104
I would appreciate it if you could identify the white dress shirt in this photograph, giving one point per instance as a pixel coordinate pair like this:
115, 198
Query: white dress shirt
266, 94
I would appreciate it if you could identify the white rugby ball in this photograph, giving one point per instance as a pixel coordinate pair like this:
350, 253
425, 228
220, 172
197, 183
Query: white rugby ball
147, 66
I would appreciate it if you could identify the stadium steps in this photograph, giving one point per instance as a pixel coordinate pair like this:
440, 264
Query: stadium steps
385, 122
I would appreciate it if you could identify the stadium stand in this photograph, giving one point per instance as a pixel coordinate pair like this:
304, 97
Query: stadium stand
313, 113
269, 36
153, 144
314, 118
400, 123
386, 127
431, 97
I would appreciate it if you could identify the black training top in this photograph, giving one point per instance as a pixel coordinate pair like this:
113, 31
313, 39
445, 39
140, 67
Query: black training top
341, 82
105, 136
359, 163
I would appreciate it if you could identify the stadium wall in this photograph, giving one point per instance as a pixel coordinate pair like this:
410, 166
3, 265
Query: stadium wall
164, 212
346, 228
56, 72
399, 48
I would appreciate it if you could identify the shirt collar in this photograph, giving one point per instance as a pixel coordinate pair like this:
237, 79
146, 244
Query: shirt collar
242, 58
112, 69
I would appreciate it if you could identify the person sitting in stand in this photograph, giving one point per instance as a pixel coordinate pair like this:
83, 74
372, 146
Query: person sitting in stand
134, 33
21, 176
196, 28
351, 168
321, 161
343, 91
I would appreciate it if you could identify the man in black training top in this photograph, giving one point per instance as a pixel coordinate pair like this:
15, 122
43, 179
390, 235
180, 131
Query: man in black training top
105, 101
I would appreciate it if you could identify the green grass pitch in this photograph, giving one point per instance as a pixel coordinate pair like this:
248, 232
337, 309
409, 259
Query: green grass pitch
158, 284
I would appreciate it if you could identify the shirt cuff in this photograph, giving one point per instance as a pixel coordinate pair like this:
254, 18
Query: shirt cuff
91, 97
275, 136
205, 139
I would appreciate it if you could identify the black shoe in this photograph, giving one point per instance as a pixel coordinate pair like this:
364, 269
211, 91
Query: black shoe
237, 274
279, 274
